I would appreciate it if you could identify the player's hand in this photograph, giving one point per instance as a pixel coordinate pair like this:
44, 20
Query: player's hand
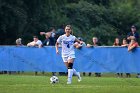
77, 45
57, 52
81, 42
89, 45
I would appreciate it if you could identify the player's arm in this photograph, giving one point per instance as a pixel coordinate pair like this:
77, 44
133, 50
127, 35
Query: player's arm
56, 47
78, 43
89, 45
59, 40
76, 40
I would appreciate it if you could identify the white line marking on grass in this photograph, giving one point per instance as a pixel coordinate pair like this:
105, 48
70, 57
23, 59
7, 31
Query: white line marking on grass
66, 86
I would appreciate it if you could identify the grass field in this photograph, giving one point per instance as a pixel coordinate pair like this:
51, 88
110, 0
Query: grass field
41, 84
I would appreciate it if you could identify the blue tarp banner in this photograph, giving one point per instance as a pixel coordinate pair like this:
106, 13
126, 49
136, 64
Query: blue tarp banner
96, 59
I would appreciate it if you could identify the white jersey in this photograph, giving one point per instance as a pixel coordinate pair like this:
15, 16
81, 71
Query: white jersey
38, 42
67, 45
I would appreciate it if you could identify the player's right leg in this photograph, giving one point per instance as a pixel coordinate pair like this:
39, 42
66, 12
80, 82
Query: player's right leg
75, 72
70, 70
71, 59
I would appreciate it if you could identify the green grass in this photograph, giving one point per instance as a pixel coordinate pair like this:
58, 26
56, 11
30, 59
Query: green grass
41, 84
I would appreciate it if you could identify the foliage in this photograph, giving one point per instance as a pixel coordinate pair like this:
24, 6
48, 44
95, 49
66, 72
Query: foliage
105, 19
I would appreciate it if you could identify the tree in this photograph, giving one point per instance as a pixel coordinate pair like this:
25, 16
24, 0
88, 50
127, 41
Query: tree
105, 19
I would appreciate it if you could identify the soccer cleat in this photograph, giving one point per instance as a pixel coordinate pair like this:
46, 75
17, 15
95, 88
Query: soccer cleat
68, 82
79, 79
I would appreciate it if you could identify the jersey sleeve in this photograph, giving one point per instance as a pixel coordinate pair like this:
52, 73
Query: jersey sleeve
59, 40
74, 38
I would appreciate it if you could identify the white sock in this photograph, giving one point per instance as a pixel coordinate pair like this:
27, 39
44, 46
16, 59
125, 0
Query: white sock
70, 73
76, 73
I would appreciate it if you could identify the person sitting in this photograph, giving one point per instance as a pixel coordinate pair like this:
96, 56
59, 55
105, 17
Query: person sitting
133, 44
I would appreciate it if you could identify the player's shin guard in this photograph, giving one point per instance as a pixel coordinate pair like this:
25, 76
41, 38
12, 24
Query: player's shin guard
70, 65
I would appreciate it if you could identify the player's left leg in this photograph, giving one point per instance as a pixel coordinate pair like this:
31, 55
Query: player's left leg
77, 74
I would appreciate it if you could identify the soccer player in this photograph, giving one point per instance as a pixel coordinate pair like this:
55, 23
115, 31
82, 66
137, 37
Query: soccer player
68, 54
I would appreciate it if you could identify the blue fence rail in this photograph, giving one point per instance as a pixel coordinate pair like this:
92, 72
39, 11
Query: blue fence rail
96, 59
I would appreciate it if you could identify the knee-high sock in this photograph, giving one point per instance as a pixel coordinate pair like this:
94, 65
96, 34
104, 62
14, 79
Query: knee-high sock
76, 73
70, 73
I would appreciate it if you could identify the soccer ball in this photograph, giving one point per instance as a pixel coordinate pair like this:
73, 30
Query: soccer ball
54, 79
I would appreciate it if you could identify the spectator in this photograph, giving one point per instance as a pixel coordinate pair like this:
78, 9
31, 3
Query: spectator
133, 44
133, 34
51, 35
18, 42
49, 41
95, 43
35, 43
125, 44
117, 43
79, 45
82, 43
55, 34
